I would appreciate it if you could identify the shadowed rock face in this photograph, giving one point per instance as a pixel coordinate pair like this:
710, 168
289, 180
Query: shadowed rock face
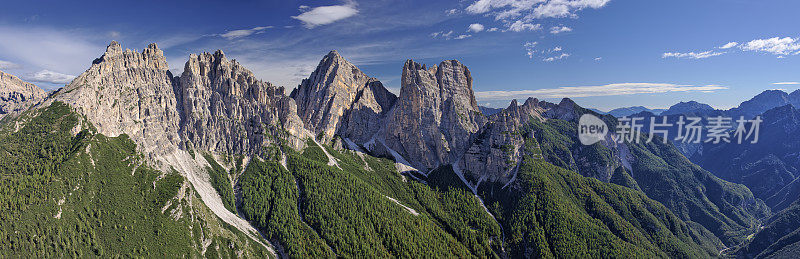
340, 99
498, 147
226, 109
438, 114
17, 95
128, 92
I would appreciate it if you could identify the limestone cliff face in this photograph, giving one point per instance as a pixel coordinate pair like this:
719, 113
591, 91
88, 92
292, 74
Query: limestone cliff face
215, 105
340, 99
499, 146
226, 109
17, 95
128, 92
436, 115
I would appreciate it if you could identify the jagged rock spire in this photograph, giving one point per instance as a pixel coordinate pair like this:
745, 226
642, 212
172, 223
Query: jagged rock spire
337, 98
439, 114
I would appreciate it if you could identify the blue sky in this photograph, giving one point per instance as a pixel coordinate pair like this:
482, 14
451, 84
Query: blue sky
602, 53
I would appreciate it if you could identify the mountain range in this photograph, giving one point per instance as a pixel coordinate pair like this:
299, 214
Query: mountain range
131, 160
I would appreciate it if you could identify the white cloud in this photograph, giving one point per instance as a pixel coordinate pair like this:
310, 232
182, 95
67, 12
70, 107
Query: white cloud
556, 49
560, 29
47, 76
493, 29
530, 48
313, 17
69, 51
601, 90
451, 12
8, 65
463, 36
554, 58
776, 46
692, 55
519, 26
244, 33
441, 34
598, 58
532, 9
786, 83
729, 45
475, 27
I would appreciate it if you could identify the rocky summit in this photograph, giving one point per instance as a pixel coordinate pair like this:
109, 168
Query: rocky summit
225, 109
17, 95
438, 114
340, 99
128, 92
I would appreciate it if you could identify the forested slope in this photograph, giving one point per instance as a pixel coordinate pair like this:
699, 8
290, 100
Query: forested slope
69, 192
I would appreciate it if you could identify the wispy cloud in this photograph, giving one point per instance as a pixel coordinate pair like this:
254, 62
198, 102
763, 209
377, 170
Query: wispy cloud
244, 33
600, 90
560, 29
729, 45
692, 55
313, 17
776, 46
532, 9
8, 65
554, 58
546, 54
530, 48
47, 76
780, 47
519, 26
450, 35
53, 49
475, 28
786, 83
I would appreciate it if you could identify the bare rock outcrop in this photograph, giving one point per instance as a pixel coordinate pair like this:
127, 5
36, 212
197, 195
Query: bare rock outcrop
17, 95
226, 109
499, 146
436, 115
127, 92
338, 98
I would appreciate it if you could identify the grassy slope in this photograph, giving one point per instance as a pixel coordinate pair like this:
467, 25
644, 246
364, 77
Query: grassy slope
90, 195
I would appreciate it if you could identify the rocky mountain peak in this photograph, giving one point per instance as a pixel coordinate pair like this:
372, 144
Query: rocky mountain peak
127, 92
226, 109
438, 110
17, 95
338, 98
113, 47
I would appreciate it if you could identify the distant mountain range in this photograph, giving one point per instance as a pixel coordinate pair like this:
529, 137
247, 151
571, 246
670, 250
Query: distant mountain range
628, 111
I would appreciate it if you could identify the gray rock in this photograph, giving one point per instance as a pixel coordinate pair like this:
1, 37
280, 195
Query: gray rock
499, 147
17, 95
337, 98
226, 109
436, 115
127, 92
